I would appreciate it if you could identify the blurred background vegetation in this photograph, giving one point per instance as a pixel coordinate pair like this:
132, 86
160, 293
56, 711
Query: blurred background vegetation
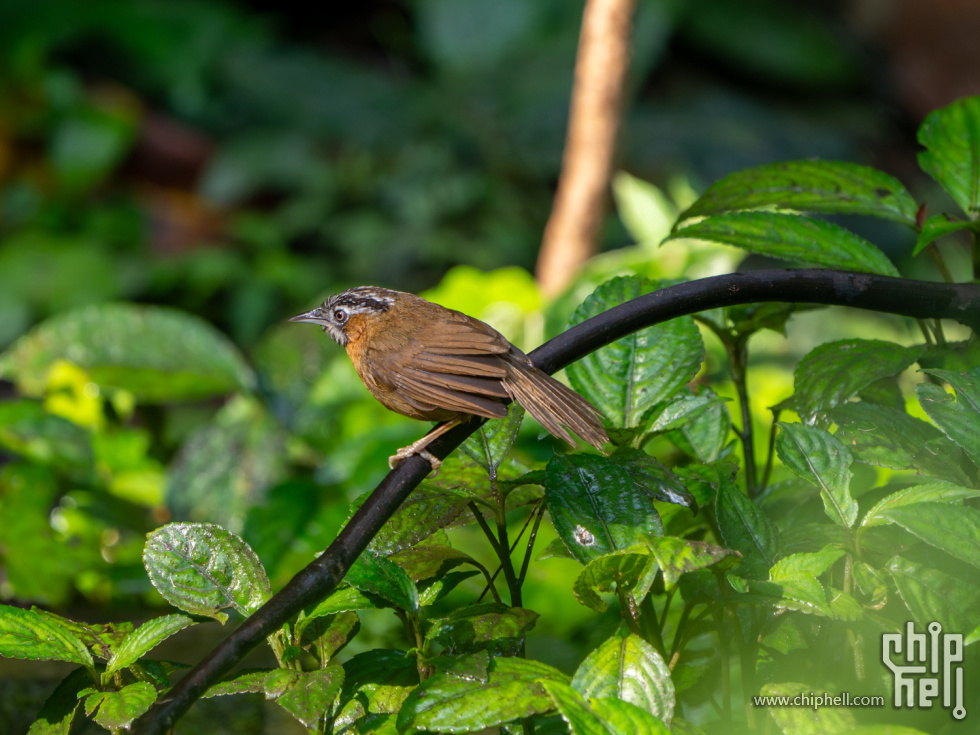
240, 160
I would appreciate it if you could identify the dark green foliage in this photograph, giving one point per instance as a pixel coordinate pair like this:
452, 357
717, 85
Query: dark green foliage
706, 576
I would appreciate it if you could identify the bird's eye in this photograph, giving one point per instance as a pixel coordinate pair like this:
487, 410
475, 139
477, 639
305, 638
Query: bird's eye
340, 316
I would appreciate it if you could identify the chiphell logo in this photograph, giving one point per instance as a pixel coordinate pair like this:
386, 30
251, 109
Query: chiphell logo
931, 664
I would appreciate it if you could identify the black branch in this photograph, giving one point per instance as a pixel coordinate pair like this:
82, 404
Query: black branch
920, 299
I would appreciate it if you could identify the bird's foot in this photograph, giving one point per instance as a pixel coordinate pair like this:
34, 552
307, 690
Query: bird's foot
407, 452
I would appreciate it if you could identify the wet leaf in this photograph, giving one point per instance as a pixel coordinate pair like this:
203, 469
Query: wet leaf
203, 569
629, 669
625, 379
818, 457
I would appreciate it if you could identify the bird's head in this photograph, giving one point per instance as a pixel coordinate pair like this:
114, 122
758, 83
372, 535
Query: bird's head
334, 314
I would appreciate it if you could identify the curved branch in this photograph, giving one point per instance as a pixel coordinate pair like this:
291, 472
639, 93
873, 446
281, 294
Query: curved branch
920, 299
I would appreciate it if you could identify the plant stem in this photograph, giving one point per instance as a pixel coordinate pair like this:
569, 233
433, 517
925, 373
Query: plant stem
628, 608
499, 544
771, 451
737, 360
538, 515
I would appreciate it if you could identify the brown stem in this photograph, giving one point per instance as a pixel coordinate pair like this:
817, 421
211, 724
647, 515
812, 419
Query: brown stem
597, 95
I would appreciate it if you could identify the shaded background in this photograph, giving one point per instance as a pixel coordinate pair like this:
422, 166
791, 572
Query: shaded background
239, 160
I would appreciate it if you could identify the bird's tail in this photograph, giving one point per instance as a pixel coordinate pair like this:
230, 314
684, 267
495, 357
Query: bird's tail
555, 406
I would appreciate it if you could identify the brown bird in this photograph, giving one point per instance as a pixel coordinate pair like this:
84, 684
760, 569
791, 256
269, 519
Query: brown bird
428, 362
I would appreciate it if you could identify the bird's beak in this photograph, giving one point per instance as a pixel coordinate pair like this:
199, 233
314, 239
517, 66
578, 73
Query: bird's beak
313, 316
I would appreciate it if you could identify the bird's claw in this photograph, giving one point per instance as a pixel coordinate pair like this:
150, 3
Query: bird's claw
407, 452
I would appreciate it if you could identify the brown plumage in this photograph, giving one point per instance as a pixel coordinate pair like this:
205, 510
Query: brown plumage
428, 362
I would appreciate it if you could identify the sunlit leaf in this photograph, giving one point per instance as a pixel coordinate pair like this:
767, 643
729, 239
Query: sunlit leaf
379, 576
115, 710
959, 417
836, 371
629, 669
143, 639
26, 634
826, 187
806, 720
951, 528
512, 691
818, 457
203, 569
789, 237
625, 379
951, 138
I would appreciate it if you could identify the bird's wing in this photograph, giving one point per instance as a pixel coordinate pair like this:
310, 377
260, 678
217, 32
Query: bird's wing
457, 367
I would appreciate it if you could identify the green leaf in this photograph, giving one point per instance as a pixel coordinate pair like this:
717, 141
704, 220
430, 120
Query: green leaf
954, 529
933, 492
469, 667
57, 715
626, 718
143, 639
325, 636
424, 512
345, 599
837, 371
683, 409
826, 187
225, 466
959, 417
435, 589
513, 690
310, 697
889, 437
936, 588
601, 504
27, 634
272, 683
115, 710
27, 429
951, 137
818, 457
677, 556
622, 572
155, 353
625, 379
644, 210
790, 237
937, 226
806, 720
705, 436
795, 566
490, 443
804, 594
379, 673
203, 569
430, 560
100, 639
629, 669
605, 716
885, 730
380, 576
574, 710
497, 628
745, 528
